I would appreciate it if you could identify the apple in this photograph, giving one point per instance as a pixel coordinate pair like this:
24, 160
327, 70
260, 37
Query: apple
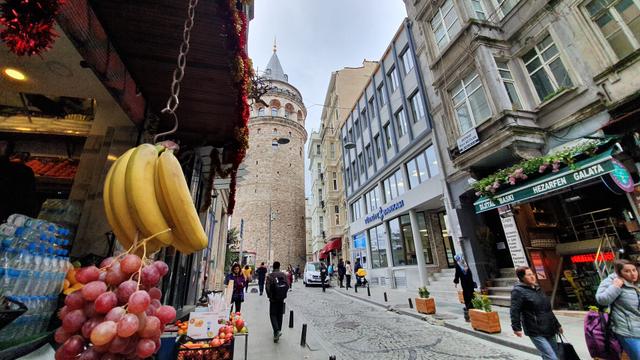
244, 330
239, 324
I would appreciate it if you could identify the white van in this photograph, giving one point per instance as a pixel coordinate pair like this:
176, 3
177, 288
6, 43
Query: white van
311, 274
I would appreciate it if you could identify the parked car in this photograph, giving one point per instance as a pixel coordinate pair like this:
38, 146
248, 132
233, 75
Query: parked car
312, 274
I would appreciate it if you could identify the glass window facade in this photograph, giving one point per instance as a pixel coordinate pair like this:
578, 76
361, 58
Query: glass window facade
417, 107
373, 200
394, 186
378, 241
546, 70
407, 60
470, 103
509, 84
619, 22
445, 24
401, 123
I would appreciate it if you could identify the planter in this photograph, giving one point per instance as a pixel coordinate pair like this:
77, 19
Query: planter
426, 305
488, 322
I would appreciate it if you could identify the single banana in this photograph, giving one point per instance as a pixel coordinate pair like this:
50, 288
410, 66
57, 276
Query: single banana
120, 234
141, 195
179, 202
180, 243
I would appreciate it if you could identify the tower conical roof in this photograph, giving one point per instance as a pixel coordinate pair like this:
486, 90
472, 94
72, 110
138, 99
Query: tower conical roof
274, 69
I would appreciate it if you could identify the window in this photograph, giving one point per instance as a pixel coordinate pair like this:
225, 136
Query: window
417, 170
321, 224
274, 144
367, 150
393, 79
319, 167
401, 123
363, 116
470, 103
378, 237
261, 111
356, 126
546, 70
317, 149
424, 235
417, 107
503, 7
381, 95
445, 24
337, 219
361, 161
393, 186
332, 149
336, 209
275, 131
274, 112
355, 210
348, 176
619, 21
478, 10
355, 170
407, 60
403, 250
372, 108
432, 161
319, 194
509, 84
351, 138
387, 136
372, 200
334, 177
376, 143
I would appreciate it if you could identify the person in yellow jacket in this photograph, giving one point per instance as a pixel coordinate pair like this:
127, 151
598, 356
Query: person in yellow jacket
247, 272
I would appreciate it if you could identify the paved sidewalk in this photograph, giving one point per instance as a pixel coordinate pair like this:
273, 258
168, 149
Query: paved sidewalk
255, 311
449, 314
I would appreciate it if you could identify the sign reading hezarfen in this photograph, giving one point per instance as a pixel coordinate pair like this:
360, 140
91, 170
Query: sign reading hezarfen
384, 212
549, 183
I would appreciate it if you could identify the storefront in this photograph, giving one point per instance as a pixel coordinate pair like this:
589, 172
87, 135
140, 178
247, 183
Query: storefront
569, 222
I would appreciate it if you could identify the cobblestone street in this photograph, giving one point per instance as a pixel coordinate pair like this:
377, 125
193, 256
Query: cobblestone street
351, 329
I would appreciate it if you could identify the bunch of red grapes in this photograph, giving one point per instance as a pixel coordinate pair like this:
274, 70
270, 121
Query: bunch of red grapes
117, 314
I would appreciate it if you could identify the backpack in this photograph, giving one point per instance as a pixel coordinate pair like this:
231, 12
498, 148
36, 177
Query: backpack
601, 341
279, 288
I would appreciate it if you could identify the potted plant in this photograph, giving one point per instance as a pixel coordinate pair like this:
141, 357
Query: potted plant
425, 304
482, 318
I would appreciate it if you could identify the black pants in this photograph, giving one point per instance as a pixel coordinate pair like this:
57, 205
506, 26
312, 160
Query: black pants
261, 285
348, 281
341, 279
467, 294
237, 304
276, 311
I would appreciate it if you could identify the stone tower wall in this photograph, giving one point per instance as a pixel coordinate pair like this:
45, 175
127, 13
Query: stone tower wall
276, 177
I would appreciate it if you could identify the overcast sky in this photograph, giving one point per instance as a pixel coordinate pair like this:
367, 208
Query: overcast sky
317, 37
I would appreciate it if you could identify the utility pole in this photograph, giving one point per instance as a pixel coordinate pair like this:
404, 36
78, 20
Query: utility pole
241, 240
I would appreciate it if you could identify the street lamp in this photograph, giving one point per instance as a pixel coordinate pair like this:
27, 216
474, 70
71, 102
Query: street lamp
272, 216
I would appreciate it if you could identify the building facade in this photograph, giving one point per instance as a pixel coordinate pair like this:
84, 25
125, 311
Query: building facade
307, 221
270, 198
325, 153
538, 86
392, 174
316, 201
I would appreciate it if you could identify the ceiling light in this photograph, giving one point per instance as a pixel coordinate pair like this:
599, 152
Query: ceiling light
15, 74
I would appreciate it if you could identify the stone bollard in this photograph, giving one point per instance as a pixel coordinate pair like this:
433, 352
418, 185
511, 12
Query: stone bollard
291, 319
303, 337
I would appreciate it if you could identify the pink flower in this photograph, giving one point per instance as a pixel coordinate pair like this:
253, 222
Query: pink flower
512, 180
496, 185
556, 167
488, 188
478, 193
524, 177
519, 172
543, 168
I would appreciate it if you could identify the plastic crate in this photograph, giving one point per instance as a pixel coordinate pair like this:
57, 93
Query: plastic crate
223, 352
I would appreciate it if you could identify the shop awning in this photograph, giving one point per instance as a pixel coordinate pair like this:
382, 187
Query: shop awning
584, 170
335, 243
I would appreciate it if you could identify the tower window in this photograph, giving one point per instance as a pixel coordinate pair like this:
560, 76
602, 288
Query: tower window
275, 130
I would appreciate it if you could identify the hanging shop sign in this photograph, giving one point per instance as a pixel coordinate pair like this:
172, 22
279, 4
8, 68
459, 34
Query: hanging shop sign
360, 241
582, 171
590, 258
468, 140
621, 176
384, 212
512, 235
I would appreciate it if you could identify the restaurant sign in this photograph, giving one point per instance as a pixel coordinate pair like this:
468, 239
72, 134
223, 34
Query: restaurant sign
582, 171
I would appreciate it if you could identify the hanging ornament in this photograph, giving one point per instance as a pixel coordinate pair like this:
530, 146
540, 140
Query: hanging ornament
28, 25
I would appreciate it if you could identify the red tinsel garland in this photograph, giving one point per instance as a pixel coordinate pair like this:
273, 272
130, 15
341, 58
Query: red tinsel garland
28, 25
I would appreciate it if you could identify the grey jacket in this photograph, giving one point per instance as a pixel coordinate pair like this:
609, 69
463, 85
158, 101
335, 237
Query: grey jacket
626, 306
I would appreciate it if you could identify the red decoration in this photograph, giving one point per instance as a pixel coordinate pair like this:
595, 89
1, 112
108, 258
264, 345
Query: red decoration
589, 258
28, 25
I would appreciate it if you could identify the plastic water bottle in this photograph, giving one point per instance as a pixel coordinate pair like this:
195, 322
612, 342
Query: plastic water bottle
23, 264
6, 283
35, 274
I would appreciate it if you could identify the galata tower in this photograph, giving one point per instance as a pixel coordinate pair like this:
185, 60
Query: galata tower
275, 179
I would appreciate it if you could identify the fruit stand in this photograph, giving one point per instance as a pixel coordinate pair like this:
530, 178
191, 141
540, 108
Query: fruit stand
202, 345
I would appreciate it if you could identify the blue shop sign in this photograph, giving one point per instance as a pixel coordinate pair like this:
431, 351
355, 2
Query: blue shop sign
384, 212
360, 241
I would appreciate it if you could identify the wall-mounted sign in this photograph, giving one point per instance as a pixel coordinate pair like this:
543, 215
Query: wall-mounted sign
621, 176
360, 241
512, 235
384, 212
538, 265
589, 258
468, 140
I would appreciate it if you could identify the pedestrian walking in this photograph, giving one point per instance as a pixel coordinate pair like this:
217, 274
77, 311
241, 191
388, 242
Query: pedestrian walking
262, 274
341, 272
237, 296
248, 275
464, 277
290, 276
355, 270
620, 291
348, 271
531, 312
296, 272
323, 275
277, 288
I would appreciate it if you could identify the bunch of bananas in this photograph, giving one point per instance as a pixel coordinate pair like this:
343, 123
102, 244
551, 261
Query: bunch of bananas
146, 193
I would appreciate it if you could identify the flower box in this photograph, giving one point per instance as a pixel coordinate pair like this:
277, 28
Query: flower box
488, 322
426, 305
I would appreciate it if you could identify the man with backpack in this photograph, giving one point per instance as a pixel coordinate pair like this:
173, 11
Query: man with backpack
277, 287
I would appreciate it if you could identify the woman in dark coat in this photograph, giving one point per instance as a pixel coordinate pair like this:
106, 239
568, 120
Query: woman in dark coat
238, 286
464, 277
531, 311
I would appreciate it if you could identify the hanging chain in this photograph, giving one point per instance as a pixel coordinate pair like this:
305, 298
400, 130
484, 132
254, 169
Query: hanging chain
178, 73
